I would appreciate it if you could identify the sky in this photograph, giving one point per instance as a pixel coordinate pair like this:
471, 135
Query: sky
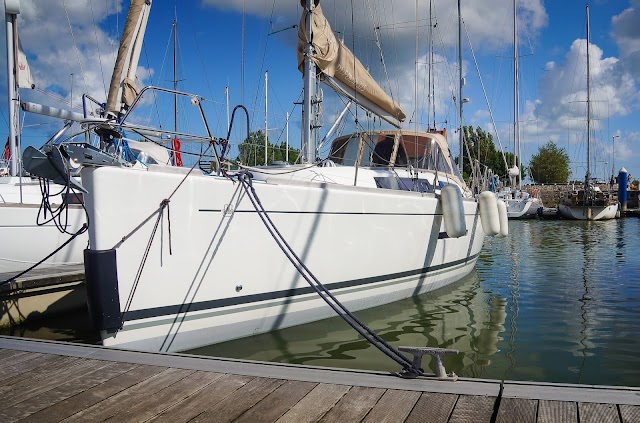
71, 47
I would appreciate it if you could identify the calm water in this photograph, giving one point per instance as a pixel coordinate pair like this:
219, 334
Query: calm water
556, 301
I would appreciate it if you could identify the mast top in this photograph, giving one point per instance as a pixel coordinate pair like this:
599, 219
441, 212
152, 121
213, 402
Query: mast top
12, 7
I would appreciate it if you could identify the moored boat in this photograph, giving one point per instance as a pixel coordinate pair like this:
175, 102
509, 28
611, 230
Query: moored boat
203, 258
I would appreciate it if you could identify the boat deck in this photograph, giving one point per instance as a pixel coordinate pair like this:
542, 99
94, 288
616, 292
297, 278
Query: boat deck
46, 381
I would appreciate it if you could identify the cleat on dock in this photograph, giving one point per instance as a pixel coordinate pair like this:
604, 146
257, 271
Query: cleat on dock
437, 354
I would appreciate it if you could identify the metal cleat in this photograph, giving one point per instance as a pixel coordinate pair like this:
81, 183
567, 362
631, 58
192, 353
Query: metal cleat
437, 354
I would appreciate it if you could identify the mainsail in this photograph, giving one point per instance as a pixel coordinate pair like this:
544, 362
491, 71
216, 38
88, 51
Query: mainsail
123, 89
341, 70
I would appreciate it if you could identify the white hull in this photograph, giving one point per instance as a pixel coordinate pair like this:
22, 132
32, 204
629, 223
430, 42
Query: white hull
580, 212
228, 279
520, 205
518, 208
23, 243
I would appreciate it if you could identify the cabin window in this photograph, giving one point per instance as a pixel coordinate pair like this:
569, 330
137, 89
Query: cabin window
403, 184
345, 151
143, 157
383, 151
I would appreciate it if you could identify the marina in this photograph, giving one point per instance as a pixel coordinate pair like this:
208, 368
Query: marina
391, 262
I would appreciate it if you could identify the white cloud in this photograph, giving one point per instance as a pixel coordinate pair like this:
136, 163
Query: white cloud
563, 89
626, 33
70, 37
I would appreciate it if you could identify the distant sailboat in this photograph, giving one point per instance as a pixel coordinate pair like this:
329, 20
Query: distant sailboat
589, 203
520, 204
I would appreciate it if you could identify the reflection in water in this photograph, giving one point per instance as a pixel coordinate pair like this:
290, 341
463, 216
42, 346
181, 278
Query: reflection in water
556, 301
72, 327
461, 316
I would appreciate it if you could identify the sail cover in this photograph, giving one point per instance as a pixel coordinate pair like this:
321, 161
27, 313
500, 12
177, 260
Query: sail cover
123, 89
337, 64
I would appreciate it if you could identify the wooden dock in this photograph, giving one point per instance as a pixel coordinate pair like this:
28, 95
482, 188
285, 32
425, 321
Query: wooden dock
43, 292
45, 381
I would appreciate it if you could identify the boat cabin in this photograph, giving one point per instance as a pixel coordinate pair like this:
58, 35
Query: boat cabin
421, 150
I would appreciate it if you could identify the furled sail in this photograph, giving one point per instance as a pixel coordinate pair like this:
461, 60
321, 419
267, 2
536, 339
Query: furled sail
337, 64
123, 89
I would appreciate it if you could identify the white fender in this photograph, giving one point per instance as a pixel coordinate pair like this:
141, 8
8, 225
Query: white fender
489, 215
504, 221
453, 211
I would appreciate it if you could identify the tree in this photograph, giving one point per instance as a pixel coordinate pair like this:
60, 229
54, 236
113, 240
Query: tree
482, 148
251, 151
550, 165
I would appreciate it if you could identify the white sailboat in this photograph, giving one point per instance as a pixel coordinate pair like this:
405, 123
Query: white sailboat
589, 203
199, 259
520, 204
24, 216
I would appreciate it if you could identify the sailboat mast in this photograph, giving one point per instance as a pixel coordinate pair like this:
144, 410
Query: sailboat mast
588, 175
12, 9
516, 99
175, 76
461, 136
430, 99
308, 149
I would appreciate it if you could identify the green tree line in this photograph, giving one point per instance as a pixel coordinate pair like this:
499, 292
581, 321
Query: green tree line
251, 151
549, 165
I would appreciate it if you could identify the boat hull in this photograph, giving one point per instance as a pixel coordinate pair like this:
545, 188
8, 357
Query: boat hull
226, 278
580, 212
24, 242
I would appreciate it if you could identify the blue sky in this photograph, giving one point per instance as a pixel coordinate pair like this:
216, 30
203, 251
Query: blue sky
552, 74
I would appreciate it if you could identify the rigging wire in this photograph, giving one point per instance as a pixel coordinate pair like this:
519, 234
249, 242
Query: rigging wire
75, 45
95, 34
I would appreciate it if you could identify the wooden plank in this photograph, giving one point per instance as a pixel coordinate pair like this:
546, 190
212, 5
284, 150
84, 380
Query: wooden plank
63, 391
30, 362
315, 404
50, 365
86, 399
473, 408
30, 387
129, 397
354, 406
303, 373
433, 408
205, 399
243, 399
517, 410
394, 406
5, 354
597, 413
14, 359
165, 398
557, 412
572, 393
630, 413
274, 405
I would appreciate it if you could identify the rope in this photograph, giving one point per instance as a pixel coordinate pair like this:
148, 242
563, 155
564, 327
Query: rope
163, 204
80, 231
245, 180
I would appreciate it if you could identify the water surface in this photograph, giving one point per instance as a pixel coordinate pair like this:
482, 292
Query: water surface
556, 301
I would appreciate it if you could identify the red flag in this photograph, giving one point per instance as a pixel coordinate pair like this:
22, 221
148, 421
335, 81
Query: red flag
7, 151
177, 158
